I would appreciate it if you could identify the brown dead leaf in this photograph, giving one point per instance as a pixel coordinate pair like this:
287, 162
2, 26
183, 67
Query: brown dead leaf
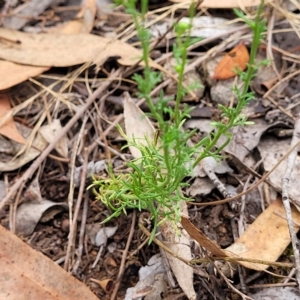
61, 50
9, 128
236, 59
28, 274
224, 4
199, 237
38, 145
12, 73
266, 238
84, 21
30, 213
180, 245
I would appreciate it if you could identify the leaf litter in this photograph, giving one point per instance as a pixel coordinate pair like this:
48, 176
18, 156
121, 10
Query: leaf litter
253, 151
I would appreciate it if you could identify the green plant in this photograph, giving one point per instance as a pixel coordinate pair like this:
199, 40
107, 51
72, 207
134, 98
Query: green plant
157, 177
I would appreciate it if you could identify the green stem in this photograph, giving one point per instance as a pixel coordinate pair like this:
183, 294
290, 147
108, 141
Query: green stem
257, 31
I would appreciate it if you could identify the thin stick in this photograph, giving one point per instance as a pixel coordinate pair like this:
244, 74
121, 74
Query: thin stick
232, 287
124, 257
81, 234
263, 178
72, 234
285, 196
35, 165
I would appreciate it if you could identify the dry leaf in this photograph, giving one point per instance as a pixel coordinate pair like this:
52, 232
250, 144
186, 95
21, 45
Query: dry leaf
224, 4
137, 125
106, 284
33, 191
147, 276
38, 145
84, 21
28, 274
9, 128
180, 245
272, 149
55, 49
31, 9
266, 238
277, 293
203, 26
92, 168
234, 60
12, 74
203, 240
104, 234
30, 213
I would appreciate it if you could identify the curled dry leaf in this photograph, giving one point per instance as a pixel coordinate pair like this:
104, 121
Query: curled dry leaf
29, 214
38, 145
92, 168
147, 276
103, 234
106, 284
8, 128
234, 60
84, 21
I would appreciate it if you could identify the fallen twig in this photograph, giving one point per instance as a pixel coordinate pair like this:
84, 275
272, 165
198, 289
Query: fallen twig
263, 178
285, 196
124, 257
35, 165
73, 225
